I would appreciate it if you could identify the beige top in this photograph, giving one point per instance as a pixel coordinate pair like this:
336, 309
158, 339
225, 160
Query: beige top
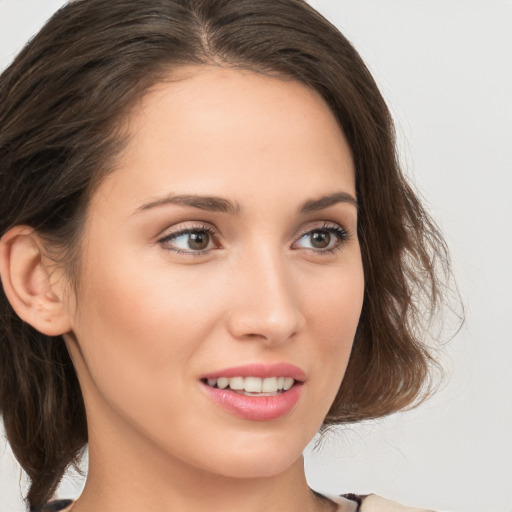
373, 503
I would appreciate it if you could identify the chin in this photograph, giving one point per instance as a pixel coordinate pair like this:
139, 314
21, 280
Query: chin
254, 458
249, 468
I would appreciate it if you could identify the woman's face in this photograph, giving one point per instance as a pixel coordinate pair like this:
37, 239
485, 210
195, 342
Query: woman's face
222, 251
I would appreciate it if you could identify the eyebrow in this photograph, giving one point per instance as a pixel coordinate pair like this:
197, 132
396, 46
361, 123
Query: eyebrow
219, 204
324, 202
209, 203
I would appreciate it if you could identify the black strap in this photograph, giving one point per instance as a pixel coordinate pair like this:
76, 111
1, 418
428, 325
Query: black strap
354, 497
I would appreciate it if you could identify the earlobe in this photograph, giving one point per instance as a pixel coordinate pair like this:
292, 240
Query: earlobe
27, 284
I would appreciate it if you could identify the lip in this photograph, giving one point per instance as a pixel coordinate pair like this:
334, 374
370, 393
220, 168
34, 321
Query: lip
260, 370
257, 408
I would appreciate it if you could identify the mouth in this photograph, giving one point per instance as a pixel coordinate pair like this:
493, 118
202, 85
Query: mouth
259, 392
252, 386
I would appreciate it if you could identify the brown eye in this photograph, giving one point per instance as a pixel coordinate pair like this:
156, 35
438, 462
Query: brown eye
198, 241
320, 239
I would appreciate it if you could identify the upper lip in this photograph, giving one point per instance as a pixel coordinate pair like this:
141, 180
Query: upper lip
259, 370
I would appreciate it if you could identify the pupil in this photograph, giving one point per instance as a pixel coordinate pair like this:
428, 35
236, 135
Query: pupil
320, 239
198, 241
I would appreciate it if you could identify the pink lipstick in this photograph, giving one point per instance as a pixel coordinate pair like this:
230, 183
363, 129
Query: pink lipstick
257, 391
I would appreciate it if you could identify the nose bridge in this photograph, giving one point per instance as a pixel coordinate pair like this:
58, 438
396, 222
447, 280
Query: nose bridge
265, 305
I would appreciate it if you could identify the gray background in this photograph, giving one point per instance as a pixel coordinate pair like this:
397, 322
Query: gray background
445, 68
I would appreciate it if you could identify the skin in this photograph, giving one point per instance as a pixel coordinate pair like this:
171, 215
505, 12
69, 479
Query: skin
151, 321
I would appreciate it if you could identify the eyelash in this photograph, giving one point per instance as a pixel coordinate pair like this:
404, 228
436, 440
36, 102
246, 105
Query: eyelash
339, 232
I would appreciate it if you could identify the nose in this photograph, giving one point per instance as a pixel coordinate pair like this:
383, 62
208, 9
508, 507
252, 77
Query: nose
266, 305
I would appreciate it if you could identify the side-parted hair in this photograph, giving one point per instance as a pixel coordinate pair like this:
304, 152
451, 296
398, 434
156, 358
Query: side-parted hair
63, 102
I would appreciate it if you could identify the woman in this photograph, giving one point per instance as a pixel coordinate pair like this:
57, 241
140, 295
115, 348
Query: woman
208, 254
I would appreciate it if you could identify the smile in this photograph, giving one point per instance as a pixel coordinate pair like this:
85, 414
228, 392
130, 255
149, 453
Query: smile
253, 386
257, 392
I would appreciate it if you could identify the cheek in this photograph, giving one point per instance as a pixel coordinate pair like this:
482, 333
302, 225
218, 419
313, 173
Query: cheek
334, 306
138, 323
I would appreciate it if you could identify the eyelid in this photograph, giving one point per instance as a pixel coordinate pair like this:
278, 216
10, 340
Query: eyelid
186, 226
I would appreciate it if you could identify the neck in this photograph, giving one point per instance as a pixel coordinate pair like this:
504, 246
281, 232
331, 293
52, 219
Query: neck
127, 472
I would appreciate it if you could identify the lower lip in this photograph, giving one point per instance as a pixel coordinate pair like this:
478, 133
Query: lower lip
258, 408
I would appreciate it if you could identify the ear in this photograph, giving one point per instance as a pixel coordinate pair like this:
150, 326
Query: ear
27, 282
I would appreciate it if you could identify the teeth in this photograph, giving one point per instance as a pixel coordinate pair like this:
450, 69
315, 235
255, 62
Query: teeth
221, 383
253, 385
269, 385
236, 383
288, 383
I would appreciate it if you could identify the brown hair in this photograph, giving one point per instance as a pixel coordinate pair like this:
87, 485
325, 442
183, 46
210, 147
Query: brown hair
61, 103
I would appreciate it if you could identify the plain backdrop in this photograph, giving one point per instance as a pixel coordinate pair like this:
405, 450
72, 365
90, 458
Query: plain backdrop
445, 68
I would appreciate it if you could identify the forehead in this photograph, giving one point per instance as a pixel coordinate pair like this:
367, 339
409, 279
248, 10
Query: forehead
216, 128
